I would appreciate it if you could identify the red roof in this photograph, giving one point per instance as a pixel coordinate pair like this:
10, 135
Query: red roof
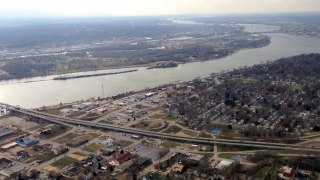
46, 146
123, 157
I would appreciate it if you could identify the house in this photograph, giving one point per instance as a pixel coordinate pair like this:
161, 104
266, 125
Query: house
79, 106
107, 152
52, 129
60, 150
22, 155
177, 167
121, 158
179, 157
5, 131
139, 165
5, 163
105, 166
4, 111
26, 142
287, 172
77, 142
33, 173
302, 174
223, 165
8, 146
42, 148
109, 142
91, 160
72, 171
204, 161
150, 94
136, 137
11, 171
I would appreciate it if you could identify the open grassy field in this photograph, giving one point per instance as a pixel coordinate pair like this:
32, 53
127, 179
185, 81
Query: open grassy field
55, 134
231, 148
124, 143
205, 135
46, 157
56, 110
168, 118
262, 173
189, 132
80, 153
169, 144
157, 116
53, 111
43, 157
288, 159
66, 138
92, 147
91, 116
172, 129
63, 162
149, 125
92, 135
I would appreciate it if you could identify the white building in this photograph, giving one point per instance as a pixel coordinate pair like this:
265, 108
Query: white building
223, 164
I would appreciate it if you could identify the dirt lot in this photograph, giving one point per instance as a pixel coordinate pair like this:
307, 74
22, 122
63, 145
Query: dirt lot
50, 168
18, 122
76, 156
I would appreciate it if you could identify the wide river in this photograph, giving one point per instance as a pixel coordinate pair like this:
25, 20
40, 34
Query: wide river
50, 92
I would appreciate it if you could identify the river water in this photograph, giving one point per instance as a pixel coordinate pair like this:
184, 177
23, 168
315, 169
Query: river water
50, 92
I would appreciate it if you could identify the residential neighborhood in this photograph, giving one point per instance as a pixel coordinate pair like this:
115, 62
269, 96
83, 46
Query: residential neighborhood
249, 103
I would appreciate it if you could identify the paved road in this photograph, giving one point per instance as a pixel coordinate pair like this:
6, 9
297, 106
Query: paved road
235, 142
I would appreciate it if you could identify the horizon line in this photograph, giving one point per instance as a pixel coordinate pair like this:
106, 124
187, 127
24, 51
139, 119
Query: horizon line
160, 15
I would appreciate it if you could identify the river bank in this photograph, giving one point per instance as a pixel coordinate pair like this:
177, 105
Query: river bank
49, 92
92, 75
153, 65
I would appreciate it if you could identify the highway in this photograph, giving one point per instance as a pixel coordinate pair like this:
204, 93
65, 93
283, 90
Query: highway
192, 140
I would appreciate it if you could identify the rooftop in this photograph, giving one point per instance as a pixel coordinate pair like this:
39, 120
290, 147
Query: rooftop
223, 164
12, 170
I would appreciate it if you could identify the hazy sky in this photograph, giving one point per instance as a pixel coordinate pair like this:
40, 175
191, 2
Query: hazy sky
58, 8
